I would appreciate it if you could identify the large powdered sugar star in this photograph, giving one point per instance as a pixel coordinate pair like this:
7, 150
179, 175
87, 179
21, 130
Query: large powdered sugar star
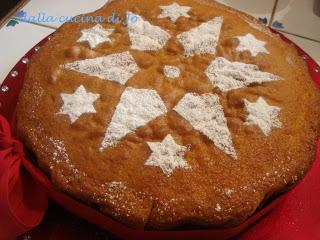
167, 155
137, 107
263, 115
249, 43
95, 35
78, 103
174, 11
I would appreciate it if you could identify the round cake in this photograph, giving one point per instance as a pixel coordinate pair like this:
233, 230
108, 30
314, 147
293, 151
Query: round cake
164, 114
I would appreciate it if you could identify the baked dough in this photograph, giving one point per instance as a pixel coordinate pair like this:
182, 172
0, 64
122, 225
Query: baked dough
194, 114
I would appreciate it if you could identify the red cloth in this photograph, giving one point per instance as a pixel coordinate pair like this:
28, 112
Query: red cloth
22, 200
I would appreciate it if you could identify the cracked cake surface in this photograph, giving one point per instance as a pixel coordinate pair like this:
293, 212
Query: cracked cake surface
190, 113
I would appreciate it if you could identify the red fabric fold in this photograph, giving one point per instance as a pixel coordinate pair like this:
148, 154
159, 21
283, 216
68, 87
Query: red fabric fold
23, 201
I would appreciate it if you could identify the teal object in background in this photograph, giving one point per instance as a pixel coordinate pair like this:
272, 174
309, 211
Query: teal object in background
12, 23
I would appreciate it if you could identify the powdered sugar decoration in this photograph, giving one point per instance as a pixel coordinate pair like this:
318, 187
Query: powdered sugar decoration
136, 108
167, 155
263, 115
202, 39
78, 103
249, 43
206, 115
174, 11
118, 67
59, 150
144, 36
116, 186
171, 71
228, 75
95, 35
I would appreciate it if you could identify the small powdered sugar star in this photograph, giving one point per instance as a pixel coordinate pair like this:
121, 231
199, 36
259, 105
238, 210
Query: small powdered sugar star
263, 115
250, 43
95, 35
167, 155
174, 11
78, 103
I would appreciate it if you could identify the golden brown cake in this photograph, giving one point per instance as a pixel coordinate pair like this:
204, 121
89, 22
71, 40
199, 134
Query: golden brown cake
186, 113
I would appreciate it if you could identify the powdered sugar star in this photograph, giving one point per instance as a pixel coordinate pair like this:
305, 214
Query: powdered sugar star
174, 11
204, 112
167, 155
263, 115
95, 35
78, 103
250, 43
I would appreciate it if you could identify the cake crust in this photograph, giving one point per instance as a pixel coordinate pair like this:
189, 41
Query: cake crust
216, 190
